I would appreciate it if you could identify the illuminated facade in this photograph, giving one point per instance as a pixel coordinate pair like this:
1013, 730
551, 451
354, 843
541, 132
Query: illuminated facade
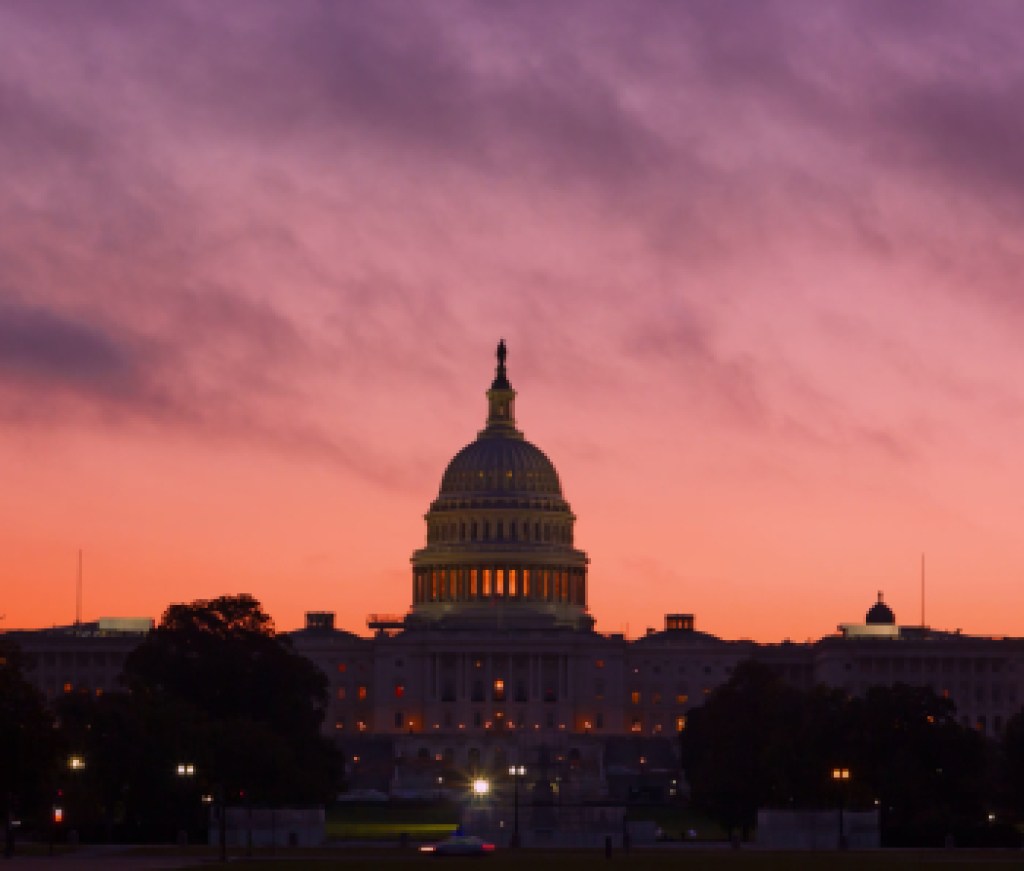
498, 663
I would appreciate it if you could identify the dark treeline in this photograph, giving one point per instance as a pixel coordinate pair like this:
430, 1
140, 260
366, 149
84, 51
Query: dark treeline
758, 742
215, 704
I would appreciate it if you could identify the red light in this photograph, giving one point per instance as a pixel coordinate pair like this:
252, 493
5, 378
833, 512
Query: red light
487, 848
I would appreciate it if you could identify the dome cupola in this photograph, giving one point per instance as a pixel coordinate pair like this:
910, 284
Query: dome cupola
880, 613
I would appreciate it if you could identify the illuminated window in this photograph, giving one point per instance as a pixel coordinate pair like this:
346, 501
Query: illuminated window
68, 687
682, 698
99, 691
598, 663
361, 692
339, 724
399, 690
499, 690
636, 725
361, 725
680, 723
341, 694
634, 697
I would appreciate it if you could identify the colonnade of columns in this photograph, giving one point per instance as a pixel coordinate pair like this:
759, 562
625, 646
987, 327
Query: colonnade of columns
538, 584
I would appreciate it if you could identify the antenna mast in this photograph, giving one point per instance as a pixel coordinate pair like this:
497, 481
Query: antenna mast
78, 592
922, 591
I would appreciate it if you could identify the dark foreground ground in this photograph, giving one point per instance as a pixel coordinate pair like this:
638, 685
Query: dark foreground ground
352, 858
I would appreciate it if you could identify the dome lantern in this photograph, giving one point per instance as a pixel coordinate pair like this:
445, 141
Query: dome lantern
501, 398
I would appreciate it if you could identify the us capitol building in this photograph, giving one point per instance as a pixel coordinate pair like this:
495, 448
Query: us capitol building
498, 663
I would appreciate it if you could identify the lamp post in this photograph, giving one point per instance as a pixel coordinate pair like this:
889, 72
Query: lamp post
516, 771
184, 771
841, 776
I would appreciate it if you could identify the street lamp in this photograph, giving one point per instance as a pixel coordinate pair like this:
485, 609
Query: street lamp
841, 776
184, 771
76, 762
515, 772
481, 787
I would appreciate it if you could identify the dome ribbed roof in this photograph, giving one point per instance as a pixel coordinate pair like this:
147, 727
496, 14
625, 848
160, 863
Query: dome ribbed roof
500, 466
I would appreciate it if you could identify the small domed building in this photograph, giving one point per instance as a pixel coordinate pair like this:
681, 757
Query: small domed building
880, 614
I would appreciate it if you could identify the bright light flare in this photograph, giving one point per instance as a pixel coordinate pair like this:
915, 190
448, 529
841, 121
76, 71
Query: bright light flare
481, 787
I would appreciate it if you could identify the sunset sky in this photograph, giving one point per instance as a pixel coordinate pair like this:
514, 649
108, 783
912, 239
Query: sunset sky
759, 266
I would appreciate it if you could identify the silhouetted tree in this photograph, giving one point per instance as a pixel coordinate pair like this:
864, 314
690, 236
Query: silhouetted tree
758, 742
1013, 763
223, 656
928, 773
261, 703
131, 744
27, 746
739, 748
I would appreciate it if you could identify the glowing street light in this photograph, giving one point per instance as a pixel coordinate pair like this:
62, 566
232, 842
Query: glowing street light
515, 772
184, 771
76, 762
481, 787
841, 776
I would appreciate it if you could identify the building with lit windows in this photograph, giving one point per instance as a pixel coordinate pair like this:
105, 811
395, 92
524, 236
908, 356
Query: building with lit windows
498, 663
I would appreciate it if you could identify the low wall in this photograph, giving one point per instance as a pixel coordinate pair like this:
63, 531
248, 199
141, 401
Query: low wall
266, 827
817, 830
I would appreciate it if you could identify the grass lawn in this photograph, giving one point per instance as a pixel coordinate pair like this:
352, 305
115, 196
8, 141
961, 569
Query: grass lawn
676, 821
388, 822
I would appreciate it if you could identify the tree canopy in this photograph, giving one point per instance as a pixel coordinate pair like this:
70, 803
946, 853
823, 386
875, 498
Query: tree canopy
212, 687
27, 743
758, 742
222, 656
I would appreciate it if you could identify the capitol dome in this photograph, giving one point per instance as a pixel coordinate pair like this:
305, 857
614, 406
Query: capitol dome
500, 466
500, 534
